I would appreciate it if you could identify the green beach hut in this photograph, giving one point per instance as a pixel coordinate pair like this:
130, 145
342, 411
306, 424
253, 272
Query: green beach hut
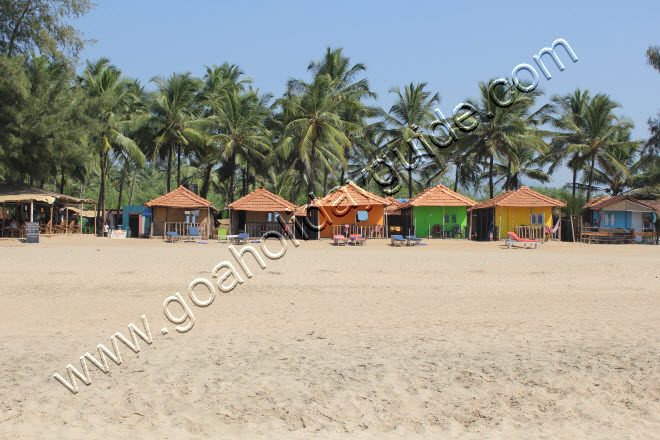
437, 212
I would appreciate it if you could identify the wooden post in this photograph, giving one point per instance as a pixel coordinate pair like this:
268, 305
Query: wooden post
31, 211
52, 208
66, 219
210, 222
4, 214
443, 222
499, 227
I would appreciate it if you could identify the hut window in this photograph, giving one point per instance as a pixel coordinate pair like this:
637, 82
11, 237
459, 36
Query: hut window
453, 218
536, 219
446, 218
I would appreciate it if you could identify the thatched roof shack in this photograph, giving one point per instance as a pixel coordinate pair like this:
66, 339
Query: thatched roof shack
178, 210
29, 203
511, 210
437, 211
258, 212
352, 206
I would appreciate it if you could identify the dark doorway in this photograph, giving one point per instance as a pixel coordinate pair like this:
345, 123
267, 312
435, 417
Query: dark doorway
134, 225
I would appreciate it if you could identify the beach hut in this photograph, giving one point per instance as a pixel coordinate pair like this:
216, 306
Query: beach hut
351, 210
437, 212
620, 212
394, 220
258, 213
525, 212
179, 210
26, 203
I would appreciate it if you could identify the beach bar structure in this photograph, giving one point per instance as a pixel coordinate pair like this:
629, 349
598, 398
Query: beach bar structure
352, 210
437, 212
524, 211
179, 210
259, 212
622, 212
26, 203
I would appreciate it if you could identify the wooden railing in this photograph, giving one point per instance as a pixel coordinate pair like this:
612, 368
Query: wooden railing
366, 231
536, 232
258, 229
181, 228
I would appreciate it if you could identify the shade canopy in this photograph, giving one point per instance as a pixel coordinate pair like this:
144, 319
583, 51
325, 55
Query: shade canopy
14, 192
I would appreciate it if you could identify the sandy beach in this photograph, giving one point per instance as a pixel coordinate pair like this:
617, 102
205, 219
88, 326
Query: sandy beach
455, 339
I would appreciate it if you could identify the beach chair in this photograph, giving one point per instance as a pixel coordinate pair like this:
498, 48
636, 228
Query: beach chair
514, 239
45, 228
398, 240
242, 238
59, 229
72, 228
412, 240
358, 240
193, 233
172, 236
339, 240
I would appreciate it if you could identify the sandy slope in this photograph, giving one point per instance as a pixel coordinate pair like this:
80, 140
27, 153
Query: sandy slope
453, 339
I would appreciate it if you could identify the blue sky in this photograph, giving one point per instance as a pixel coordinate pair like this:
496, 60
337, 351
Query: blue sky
450, 45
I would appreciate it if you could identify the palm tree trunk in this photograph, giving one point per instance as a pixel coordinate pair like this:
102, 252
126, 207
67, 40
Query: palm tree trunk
232, 177
325, 180
169, 166
456, 177
341, 179
100, 210
206, 182
178, 166
410, 186
121, 185
310, 182
508, 175
574, 180
130, 199
62, 181
591, 175
490, 175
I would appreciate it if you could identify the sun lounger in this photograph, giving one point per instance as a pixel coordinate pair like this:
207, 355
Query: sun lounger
339, 240
173, 236
193, 233
358, 240
412, 240
514, 239
398, 240
242, 238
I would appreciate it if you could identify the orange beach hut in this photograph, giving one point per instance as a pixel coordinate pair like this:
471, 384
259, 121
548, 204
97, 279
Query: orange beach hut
351, 210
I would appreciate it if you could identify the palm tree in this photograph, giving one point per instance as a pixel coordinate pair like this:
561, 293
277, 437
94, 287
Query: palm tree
240, 134
174, 119
525, 165
618, 170
316, 130
115, 97
600, 137
218, 82
563, 114
411, 111
501, 131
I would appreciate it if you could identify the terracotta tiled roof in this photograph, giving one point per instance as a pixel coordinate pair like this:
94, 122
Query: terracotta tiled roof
351, 195
264, 201
522, 198
439, 196
604, 201
180, 198
395, 206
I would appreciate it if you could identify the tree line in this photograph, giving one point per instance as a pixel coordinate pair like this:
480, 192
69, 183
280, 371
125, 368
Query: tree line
99, 134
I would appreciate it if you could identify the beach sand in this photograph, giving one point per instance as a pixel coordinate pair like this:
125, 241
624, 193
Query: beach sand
450, 340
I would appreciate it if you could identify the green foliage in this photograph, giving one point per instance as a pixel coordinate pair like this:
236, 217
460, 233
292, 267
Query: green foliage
42, 25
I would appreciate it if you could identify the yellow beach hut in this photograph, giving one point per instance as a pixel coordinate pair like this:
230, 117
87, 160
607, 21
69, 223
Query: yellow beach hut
525, 212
